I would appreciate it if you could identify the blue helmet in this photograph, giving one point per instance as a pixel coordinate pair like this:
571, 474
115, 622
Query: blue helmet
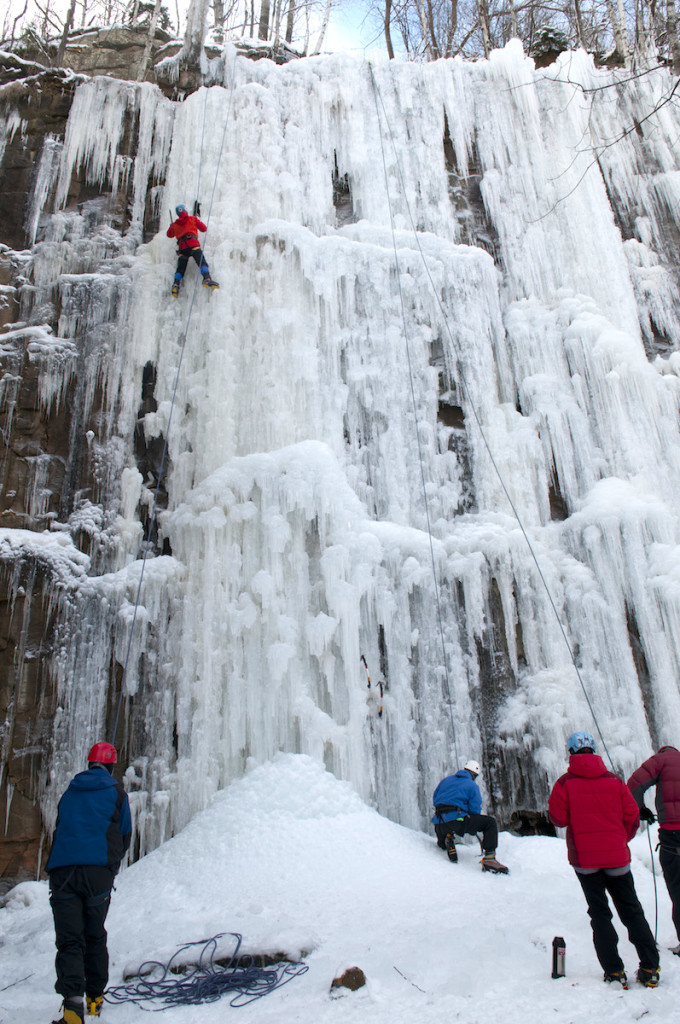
578, 741
180, 209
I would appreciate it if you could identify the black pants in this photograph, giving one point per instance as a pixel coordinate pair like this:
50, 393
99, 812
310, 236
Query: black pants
621, 888
80, 898
183, 258
470, 826
669, 858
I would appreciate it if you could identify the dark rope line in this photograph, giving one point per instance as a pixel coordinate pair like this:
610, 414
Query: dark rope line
479, 424
415, 416
656, 894
200, 162
152, 517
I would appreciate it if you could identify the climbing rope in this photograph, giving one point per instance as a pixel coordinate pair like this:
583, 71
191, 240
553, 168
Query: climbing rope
154, 507
204, 981
656, 894
466, 389
415, 416
200, 162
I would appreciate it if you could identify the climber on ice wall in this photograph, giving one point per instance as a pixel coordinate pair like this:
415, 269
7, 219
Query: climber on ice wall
185, 229
457, 806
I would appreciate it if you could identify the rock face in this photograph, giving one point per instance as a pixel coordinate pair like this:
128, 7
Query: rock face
40, 100
116, 51
27, 706
40, 467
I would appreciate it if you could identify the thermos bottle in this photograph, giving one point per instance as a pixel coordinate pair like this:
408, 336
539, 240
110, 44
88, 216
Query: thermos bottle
558, 957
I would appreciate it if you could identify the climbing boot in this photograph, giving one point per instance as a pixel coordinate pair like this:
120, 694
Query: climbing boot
675, 949
451, 851
620, 976
648, 978
489, 863
208, 282
72, 1012
175, 288
94, 1005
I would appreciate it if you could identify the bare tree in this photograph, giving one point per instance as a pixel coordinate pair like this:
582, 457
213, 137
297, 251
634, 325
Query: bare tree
579, 23
483, 8
68, 25
218, 16
386, 29
290, 21
324, 27
620, 33
144, 63
263, 27
194, 37
9, 41
672, 29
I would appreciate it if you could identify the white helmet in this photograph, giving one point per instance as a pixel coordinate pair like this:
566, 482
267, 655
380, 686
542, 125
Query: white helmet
472, 766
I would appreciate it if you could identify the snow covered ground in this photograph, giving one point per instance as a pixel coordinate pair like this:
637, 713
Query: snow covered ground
292, 858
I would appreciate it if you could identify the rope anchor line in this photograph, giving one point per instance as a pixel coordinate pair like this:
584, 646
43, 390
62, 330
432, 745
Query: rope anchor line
161, 470
409, 365
388, 130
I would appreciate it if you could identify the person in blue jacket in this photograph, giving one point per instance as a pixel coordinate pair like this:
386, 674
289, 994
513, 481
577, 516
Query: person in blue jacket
90, 840
457, 812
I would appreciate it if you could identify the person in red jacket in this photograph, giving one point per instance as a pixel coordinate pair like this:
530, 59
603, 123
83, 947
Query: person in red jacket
663, 771
601, 817
185, 229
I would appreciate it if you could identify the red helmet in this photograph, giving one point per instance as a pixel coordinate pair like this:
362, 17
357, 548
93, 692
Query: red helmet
102, 753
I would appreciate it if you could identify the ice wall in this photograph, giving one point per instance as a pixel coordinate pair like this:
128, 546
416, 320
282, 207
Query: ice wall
456, 275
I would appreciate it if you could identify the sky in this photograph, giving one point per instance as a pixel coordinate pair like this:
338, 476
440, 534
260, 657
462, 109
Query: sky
350, 29
290, 858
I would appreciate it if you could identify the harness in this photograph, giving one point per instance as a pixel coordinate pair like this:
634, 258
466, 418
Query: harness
448, 809
187, 242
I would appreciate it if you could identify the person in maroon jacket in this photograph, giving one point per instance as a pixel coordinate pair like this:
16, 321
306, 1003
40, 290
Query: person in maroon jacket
185, 229
601, 817
663, 771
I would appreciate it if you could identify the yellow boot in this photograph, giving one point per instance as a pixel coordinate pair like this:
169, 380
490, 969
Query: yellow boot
71, 1012
94, 1005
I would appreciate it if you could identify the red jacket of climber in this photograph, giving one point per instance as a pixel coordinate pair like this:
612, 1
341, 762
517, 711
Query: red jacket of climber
185, 229
598, 810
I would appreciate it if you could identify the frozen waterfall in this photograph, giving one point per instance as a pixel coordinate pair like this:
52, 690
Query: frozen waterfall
408, 256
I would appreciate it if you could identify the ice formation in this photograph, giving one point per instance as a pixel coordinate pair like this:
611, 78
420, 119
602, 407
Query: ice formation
451, 284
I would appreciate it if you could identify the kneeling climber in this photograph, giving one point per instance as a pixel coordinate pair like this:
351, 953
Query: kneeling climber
457, 806
185, 229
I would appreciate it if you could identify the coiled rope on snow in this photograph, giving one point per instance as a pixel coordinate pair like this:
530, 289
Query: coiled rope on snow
204, 981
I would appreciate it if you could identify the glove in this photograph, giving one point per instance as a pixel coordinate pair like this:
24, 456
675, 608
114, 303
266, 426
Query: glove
647, 815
